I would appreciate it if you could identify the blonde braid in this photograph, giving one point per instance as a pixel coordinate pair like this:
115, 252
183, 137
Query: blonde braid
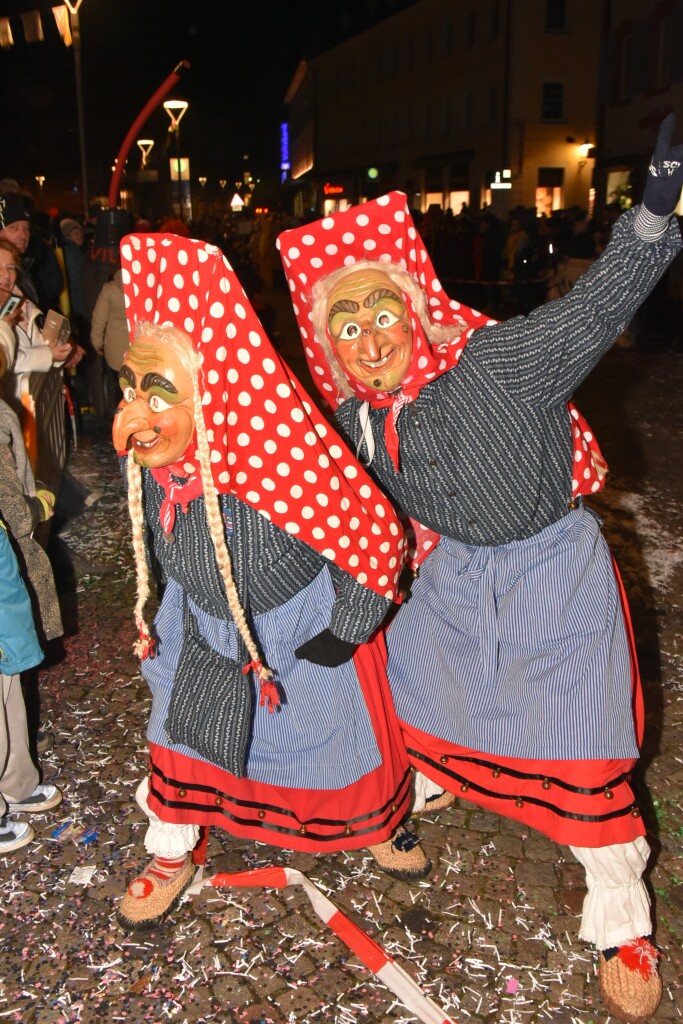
214, 519
137, 519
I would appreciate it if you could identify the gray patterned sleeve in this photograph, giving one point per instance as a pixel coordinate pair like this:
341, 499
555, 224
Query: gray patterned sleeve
357, 611
278, 565
546, 355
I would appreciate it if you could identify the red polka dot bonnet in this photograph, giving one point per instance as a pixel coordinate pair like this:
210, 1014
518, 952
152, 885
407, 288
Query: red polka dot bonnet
269, 445
383, 231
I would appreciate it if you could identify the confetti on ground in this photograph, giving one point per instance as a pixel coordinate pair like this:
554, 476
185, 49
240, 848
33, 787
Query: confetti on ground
82, 875
502, 904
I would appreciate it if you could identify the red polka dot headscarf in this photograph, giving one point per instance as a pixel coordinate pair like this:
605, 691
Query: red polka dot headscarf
383, 231
269, 445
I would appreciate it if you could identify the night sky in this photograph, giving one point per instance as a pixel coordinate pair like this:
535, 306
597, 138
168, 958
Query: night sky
243, 57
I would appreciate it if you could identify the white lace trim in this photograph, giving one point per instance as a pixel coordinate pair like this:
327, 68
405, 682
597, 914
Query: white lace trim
423, 788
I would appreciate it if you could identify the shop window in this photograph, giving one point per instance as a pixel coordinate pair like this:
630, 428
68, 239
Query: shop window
456, 199
547, 200
433, 199
549, 190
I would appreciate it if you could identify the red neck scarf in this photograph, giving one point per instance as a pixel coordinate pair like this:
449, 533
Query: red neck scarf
179, 489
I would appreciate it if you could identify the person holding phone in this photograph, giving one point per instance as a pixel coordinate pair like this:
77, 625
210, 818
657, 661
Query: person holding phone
33, 353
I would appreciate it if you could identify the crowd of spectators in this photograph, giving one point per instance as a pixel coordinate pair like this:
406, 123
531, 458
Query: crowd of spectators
507, 266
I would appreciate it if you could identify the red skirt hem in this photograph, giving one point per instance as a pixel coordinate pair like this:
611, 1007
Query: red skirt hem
185, 790
576, 803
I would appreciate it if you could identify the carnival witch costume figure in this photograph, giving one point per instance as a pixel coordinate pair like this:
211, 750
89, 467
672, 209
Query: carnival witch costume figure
271, 713
511, 664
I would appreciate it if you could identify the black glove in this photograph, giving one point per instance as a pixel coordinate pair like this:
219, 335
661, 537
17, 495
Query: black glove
326, 649
665, 174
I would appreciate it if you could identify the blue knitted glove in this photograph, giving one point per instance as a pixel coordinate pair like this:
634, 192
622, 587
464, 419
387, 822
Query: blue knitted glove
665, 174
326, 649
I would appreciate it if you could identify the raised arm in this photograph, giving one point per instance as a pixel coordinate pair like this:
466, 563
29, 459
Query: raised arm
552, 350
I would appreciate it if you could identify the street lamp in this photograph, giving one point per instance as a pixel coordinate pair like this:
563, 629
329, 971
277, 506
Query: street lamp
73, 6
145, 147
175, 110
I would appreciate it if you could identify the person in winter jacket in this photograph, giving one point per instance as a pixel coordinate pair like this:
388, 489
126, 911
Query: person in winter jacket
109, 333
20, 788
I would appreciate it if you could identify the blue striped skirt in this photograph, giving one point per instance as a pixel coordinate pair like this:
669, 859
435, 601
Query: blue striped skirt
518, 650
322, 736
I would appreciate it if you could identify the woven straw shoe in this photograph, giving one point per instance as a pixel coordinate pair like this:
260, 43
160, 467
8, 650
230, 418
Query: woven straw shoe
149, 900
630, 984
402, 856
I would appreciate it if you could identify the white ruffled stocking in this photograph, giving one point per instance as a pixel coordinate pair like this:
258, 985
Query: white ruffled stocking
617, 905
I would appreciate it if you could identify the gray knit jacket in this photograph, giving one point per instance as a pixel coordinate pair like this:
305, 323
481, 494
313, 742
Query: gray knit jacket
269, 565
486, 449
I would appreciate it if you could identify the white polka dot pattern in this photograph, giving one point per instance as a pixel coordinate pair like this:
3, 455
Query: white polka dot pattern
270, 446
384, 230
379, 230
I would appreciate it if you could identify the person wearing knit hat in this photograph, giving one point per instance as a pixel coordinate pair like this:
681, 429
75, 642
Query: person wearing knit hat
41, 278
67, 226
14, 220
512, 664
271, 715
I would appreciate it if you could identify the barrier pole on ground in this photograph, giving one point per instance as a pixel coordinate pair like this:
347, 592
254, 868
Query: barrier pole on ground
369, 952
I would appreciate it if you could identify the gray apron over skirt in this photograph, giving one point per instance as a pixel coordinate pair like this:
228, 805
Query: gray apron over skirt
322, 736
522, 647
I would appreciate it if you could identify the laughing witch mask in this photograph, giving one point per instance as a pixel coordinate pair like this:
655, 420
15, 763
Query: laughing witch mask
209, 407
376, 323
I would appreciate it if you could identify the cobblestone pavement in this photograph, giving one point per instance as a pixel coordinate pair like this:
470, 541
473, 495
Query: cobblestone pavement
491, 935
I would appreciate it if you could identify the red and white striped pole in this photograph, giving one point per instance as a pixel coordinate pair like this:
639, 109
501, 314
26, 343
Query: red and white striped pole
365, 948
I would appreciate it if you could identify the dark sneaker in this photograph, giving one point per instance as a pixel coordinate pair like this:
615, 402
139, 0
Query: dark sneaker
43, 798
14, 835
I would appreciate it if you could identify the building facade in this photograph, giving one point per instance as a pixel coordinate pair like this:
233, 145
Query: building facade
642, 81
476, 101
